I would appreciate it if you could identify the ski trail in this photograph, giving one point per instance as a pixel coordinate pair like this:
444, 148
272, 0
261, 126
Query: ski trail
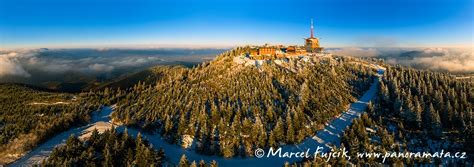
42, 151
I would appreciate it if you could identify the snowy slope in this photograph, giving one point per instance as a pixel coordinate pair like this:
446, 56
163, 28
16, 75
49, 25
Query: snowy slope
330, 135
38, 154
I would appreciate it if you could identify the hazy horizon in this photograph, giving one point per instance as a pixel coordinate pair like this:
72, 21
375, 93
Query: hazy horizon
191, 47
341, 23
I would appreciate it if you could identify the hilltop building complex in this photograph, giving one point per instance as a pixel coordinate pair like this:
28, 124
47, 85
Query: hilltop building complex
265, 52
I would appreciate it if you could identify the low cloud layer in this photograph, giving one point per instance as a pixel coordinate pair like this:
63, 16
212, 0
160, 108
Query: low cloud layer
437, 59
10, 65
33, 64
20, 62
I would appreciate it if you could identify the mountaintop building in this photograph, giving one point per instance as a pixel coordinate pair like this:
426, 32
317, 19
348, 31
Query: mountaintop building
311, 48
312, 43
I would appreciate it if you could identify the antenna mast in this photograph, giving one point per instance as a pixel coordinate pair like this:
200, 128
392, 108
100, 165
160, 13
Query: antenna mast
312, 35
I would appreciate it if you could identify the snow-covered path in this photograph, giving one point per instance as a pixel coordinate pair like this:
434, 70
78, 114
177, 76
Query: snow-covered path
330, 135
38, 154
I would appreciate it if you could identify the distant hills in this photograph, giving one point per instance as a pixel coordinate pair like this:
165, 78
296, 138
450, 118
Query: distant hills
75, 70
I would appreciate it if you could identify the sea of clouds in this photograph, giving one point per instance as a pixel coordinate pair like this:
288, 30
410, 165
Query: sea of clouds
455, 60
93, 62
23, 63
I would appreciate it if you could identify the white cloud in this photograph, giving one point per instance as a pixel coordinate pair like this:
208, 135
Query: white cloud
438, 59
10, 65
445, 59
24, 63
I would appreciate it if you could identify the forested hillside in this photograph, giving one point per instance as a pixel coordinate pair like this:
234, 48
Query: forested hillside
148, 77
29, 116
113, 149
229, 109
428, 101
416, 111
106, 149
428, 111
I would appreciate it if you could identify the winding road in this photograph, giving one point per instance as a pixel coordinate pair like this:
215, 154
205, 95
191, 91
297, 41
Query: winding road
325, 138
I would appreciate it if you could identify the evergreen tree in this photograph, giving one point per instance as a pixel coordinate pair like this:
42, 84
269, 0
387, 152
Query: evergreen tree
436, 128
183, 162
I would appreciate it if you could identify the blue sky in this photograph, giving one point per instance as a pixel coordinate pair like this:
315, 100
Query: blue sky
339, 23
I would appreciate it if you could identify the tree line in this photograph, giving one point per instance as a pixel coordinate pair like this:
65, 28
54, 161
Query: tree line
29, 116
